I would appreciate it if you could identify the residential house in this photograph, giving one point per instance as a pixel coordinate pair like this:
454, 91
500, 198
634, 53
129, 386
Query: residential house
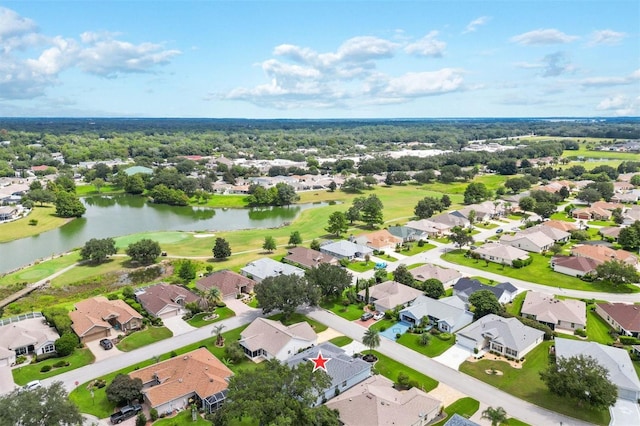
622, 187
611, 232
406, 233
624, 318
465, 287
197, 376
448, 314
567, 314
346, 250
389, 294
617, 362
451, 219
428, 228
604, 254
308, 258
535, 242
376, 401
629, 216
607, 205
379, 240
560, 225
501, 253
32, 336
165, 300
230, 283
576, 266
9, 212
557, 235
507, 336
591, 213
95, 318
265, 267
344, 370
428, 271
267, 339
626, 197
458, 420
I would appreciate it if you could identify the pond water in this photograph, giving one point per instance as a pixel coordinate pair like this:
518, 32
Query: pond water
113, 216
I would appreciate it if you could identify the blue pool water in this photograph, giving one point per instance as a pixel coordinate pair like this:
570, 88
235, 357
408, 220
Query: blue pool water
397, 328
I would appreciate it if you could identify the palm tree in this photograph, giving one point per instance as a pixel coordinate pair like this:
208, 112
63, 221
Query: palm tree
496, 416
214, 295
371, 339
217, 330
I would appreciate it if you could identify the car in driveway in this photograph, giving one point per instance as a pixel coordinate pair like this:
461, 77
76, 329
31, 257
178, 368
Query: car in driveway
125, 413
499, 231
378, 316
33, 385
106, 344
366, 316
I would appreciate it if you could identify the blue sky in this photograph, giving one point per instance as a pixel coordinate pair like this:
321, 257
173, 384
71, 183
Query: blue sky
320, 59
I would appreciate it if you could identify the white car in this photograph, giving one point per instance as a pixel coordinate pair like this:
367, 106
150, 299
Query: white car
33, 385
378, 316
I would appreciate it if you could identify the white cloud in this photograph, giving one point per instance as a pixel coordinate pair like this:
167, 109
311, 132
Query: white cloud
42, 58
543, 37
606, 37
475, 24
552, 65
611, 81
427, 46
427, 83
620, 105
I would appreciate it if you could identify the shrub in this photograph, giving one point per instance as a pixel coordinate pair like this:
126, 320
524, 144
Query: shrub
66, 344
174, 354
444, 336
33, 222
141, 420
61, 364
421, 243
398, 335
383, 328
153, 413
629, 340
580, 332
20, 359
112, 296
45, 368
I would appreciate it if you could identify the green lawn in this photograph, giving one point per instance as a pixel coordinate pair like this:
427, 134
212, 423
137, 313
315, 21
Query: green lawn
465, 407
515, 307
296, 318
350, 312
387, 257
21, 229
89, 189
597, 328
435, 347
383, 323
341, 341
539, 272
182, 419
361, 266
198, 319
562, 216
40, 270
601, 223
535, 391
29, 372
390, 369
415, 249
487, 226
515, 422
142, 338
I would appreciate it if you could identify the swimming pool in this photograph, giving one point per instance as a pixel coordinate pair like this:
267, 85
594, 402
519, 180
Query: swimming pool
397, 328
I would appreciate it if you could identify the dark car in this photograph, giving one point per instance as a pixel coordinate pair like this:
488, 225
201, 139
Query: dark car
106, 344
499, 231
366, 316
125, 413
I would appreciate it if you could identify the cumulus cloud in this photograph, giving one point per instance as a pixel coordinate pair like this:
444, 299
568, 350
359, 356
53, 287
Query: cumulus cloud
611, 81
475, 24
620, 105
42, 57
551, 65
349, 77
606, 37
543, 37
427, 46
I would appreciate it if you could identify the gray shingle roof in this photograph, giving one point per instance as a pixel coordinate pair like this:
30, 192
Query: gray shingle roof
507, 331
266, 267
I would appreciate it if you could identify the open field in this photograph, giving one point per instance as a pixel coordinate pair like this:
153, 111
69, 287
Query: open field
612, 155
535, 391
21, 229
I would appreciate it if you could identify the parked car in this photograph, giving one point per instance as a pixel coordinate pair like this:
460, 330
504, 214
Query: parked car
33, 385
125, 413
378, 316
366, 316
106, 344
499, 231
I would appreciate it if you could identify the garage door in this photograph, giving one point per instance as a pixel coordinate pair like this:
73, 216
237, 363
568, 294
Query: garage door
627, 394
465, 342
4, 362
171, 314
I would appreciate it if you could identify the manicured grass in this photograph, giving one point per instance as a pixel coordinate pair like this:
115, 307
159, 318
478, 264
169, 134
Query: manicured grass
99, 406
387, 257
20, 228
296, 318
390, 369
341, 341
143, 338
562, 216
29, 372
215, 200
415, 249
40, 270
198, 319
435, 347
515, 422
535, 390
182, 419
515, 306
487, 226
539, 272
383, 323
361, 266
465, 407
87, 272
415, 265
89, 189
586, 153
597, 328
601, 223
350, 312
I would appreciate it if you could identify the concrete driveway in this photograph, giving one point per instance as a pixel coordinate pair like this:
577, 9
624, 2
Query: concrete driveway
625, 413
6, 380
454, 356
238, 306
101, 353
177, 325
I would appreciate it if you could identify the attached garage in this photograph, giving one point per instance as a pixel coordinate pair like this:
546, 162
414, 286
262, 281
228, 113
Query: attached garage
95, 333
466, 342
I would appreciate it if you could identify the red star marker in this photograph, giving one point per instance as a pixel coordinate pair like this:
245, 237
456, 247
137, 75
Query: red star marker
319, 362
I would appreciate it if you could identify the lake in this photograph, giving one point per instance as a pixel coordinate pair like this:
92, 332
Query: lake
114, 216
